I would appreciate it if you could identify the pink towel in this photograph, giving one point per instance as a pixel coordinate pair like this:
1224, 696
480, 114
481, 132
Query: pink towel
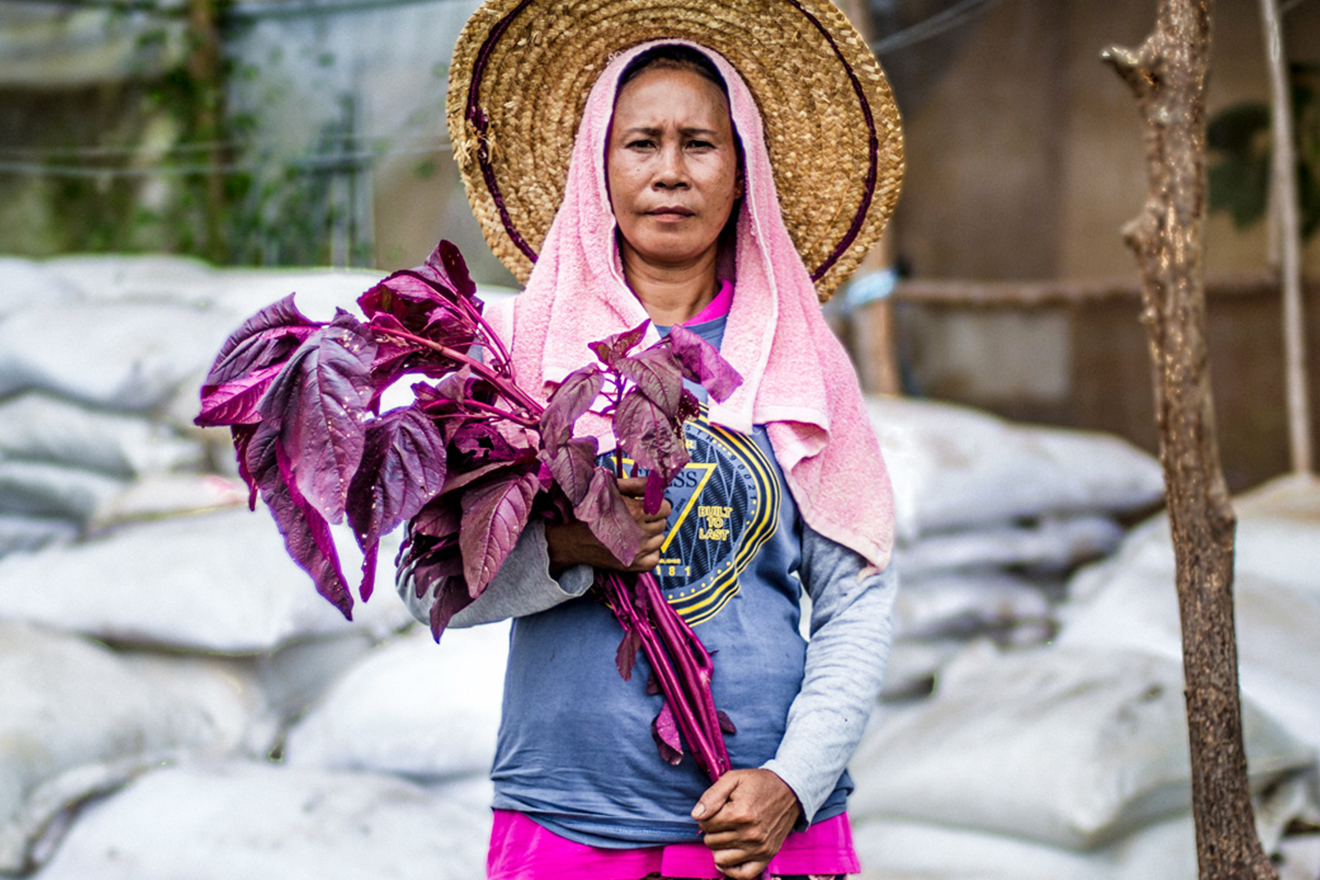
797, 379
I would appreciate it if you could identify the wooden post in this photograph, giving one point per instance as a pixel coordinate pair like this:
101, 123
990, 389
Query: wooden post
1284, 180
1168, 76
873, 322
204, 69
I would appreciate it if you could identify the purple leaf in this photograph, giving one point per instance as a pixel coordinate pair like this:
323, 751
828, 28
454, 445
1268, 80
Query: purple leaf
447, 261
494, 515
460, 478
306, 533
653, 684
665, 732
655, 492
439, 518
627, 653
606, 514
572, 465
450, 599
611, 348
726, 723
648, 436
484, 442
394, 355
242, 436
688, 407
569, 401
235, 402
657, 374
267, 337
702, 363
406, 296
319, 401
402, 468
368, 582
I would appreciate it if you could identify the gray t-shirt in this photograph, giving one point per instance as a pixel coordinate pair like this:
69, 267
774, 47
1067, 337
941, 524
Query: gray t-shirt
575, 749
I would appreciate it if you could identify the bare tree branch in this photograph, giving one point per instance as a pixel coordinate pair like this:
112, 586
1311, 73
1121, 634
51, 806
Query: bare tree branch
1168, 76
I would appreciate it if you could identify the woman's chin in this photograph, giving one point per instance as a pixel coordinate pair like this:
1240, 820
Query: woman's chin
673, 255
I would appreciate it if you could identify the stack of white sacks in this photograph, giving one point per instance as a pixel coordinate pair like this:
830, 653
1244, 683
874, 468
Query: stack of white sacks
178, 701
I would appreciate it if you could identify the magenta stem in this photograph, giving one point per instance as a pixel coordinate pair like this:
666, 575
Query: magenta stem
682, 667
506, 386
695, 663
486, 408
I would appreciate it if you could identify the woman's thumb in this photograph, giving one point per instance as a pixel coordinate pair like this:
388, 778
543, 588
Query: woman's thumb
715, 797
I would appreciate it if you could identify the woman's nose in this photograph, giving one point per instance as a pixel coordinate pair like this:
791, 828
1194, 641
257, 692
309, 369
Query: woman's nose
672, 171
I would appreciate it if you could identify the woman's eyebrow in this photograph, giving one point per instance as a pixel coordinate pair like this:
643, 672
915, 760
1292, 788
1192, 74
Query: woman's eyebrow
655, 131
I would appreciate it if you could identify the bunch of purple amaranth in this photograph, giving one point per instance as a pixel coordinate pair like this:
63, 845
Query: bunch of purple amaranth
469, 461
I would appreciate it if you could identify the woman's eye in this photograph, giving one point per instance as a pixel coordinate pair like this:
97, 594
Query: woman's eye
641, 144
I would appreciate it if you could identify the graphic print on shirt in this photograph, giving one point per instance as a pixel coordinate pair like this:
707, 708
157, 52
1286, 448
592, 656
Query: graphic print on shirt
725, 507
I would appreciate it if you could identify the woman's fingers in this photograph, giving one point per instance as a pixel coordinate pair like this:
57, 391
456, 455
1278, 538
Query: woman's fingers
573, 543
746, 815
633, 490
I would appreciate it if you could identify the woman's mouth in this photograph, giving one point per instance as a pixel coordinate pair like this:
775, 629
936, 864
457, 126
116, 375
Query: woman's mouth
670, 213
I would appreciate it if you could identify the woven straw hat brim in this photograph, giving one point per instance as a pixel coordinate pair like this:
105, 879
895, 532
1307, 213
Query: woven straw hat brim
522, 70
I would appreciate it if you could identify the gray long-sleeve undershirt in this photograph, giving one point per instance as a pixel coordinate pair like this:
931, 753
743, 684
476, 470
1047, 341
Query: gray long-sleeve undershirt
851, 629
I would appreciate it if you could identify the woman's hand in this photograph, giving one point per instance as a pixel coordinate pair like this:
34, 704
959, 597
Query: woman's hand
573, 543
745, 817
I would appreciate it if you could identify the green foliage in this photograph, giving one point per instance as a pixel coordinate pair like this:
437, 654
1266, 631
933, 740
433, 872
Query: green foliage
195, 180
1239, 138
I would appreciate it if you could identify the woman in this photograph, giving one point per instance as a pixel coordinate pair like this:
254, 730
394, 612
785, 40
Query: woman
670, 214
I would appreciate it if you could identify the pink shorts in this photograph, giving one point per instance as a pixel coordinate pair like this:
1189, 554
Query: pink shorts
520, 849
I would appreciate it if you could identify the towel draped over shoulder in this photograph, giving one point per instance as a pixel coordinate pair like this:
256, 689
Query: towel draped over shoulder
797, 378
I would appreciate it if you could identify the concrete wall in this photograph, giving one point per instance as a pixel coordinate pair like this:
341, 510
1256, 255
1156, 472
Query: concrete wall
1025, 160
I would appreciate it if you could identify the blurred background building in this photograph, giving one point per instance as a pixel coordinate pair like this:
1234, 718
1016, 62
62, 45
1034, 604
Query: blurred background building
311, 132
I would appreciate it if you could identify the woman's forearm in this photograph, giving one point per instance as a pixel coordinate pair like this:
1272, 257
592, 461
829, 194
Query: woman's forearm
851, 631
522, 586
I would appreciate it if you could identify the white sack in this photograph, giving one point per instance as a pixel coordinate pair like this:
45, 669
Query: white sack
965, 604
131, 356
953, 466
1071, 747
162, 495
897, 849
38, 427
79, 720
141, 278
914, 664
297, 674
39, 489
228, 690
22, 532
24, 283
412, 707
1052, 545
215, 582
1278, 635
236, 821
1278, 534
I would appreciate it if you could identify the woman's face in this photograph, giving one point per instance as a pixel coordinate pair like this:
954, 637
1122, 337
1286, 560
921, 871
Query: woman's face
672, 166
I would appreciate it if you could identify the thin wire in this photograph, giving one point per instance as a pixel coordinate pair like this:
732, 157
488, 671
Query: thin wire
305, 164
924, 30
937, 24
14, 153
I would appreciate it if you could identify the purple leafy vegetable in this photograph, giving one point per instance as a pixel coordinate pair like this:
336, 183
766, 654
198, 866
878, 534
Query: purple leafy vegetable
470, 462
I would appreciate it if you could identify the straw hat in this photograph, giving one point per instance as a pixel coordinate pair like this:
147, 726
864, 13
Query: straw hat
522, 70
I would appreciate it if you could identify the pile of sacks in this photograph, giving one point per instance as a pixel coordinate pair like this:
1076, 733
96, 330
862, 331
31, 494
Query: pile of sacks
1071, 760
180, 703
992, 517
157, 644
